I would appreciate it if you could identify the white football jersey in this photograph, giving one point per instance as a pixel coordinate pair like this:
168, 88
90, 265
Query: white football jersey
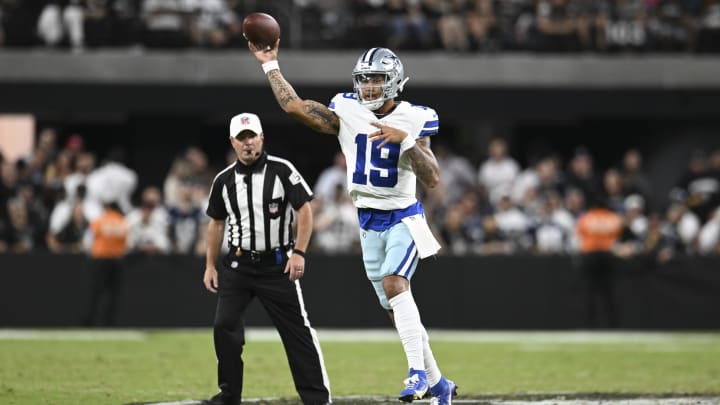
379, 178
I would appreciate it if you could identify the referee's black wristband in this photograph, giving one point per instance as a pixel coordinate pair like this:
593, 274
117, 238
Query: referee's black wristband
299, 253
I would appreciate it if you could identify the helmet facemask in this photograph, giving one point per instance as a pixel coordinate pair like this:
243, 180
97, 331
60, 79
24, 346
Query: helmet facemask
375, 85
381, 70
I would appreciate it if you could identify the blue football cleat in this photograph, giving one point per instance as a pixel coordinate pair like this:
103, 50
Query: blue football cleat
443, 392
416, 386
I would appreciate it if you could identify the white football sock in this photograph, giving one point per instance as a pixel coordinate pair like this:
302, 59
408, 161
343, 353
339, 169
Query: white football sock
409, 327
431, 367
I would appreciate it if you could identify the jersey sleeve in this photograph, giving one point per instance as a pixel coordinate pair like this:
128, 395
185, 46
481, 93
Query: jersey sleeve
338, 102
216, 205
429, 122
298, 192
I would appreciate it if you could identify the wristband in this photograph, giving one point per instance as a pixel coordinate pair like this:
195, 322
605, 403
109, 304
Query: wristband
407, 143
299, 253
272, 65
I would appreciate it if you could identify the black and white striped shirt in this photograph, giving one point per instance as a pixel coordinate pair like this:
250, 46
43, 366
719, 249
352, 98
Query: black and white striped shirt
254, 202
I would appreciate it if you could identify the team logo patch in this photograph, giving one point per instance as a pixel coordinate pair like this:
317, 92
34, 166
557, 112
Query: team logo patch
245, 120
295, 178
273, 207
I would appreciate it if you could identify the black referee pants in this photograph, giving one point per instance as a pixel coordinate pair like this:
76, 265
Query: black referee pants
283, 302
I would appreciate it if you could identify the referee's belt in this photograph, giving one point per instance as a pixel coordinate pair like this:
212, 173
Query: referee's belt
274, 256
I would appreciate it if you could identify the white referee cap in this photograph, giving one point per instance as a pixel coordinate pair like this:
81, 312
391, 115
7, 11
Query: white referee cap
245, 122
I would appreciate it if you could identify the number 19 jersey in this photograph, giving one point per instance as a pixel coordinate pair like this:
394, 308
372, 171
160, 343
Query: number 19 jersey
382, 178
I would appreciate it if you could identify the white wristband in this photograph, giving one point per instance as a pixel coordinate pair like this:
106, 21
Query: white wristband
407, 143
272, 65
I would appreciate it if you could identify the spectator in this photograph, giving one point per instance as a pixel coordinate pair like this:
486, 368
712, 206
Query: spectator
462, 227
62, 19
708, 36
336, 224
482, 25
531, 203
66, 222
107, 241
212, 23
513, 223
683, 225
623, 26
186, 220
330, 178
84, 165
581, 175
575, 202
97, 23
700, 186
668, 27
36, 212
180, 173
451, 26
499, 171
552, 233
494, 240
8, 185
21, 231
456, 173
709, 237
56, 173
558, 30
113, 181
632, 178
635, 221
125, 22
542, 176
165, 23
613, 193
409, 28
70, 237
598, 230
369, 27
148, 225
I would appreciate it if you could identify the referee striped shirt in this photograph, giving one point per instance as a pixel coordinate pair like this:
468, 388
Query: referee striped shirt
257, 202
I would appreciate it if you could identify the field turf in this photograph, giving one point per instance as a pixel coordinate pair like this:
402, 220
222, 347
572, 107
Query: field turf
126, 366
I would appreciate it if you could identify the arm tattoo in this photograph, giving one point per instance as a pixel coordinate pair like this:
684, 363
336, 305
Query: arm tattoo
284, 92
323, 120
424, 163
313, 114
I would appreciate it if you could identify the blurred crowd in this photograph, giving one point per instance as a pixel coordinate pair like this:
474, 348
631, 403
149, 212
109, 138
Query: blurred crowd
454, 25
48, 199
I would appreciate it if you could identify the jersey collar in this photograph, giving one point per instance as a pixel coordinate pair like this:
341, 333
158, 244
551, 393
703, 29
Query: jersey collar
255, 167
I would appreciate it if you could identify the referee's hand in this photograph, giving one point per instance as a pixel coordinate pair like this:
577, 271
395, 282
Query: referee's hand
295, 266
210, 279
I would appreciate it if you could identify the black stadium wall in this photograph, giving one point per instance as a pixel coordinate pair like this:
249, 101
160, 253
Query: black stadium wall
496, 292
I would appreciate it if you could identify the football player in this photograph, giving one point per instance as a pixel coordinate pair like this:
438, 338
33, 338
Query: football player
386, 143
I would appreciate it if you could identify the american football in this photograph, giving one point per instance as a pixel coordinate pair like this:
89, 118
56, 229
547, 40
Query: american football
261, 29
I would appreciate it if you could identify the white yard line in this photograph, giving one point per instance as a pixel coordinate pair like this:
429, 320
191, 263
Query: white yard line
530, 338
377, 400
71, 334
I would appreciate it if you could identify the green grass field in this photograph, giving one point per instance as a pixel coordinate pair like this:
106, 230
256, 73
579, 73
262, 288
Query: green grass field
121, 367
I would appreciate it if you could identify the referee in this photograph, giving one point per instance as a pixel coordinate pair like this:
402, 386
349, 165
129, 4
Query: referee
258, 197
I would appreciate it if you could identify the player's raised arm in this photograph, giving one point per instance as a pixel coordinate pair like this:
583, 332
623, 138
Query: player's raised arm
310, 112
